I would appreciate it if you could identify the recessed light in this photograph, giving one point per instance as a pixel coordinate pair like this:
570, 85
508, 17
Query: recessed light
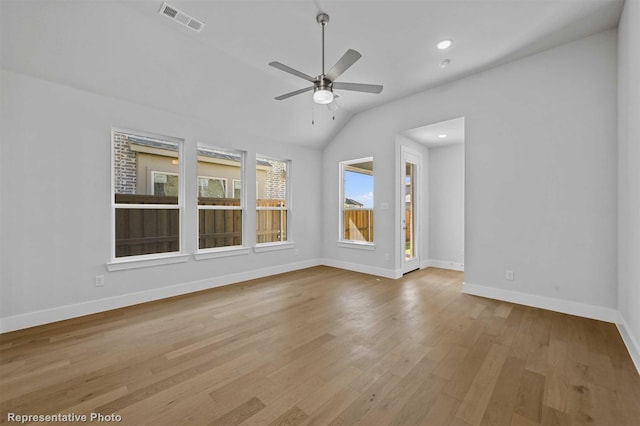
445, 63
444, 44
442, 135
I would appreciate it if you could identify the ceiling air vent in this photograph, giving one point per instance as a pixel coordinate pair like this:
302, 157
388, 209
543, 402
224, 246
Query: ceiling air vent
180, 17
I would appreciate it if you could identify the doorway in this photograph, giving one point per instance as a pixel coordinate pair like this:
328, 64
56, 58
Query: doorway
411, 165
431, 196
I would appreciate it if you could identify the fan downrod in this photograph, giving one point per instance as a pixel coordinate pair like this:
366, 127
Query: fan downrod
323, 20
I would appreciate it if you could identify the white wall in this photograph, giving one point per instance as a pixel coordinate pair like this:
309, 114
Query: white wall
541, 174
55, 191
446, 204
629, 175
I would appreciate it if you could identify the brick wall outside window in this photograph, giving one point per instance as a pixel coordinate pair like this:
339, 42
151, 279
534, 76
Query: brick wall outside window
276, 181
124, 165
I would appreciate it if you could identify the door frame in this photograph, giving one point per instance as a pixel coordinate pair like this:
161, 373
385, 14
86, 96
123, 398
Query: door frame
415, 263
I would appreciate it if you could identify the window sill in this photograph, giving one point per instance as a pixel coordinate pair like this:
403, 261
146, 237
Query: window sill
356, 245
222, 252
273, 246
144, 262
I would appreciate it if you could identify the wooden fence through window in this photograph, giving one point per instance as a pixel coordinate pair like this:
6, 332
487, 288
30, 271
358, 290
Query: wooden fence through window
219, 228
358, 225
271, 225
146, 231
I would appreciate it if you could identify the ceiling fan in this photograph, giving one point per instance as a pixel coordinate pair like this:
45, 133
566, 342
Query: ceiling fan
325, 83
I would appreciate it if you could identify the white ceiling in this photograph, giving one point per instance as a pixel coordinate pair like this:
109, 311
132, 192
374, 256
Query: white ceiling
126, 49
430, 135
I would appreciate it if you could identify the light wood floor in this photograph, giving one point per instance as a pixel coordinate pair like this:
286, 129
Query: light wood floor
325, 346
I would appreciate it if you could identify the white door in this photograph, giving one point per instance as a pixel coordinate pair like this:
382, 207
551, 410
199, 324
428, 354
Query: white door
410, 210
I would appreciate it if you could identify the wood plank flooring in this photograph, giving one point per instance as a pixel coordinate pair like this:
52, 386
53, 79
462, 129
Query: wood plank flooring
324, 346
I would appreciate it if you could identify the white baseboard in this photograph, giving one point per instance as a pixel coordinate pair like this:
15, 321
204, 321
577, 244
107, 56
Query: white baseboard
365, 269
443, 264
632, 344
46, 316
558, 305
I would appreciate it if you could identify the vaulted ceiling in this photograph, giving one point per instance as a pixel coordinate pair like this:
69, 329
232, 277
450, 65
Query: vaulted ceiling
126, 49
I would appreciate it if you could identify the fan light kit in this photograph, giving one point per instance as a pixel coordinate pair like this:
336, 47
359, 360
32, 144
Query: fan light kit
323, 96
444, 44
325, 83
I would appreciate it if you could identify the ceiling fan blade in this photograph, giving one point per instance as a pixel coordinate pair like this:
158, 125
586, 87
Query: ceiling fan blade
290, 94
283, 67
348, 59
357, 87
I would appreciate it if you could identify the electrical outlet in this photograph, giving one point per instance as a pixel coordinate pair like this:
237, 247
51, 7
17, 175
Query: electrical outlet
509, 275
99, 280
387, 256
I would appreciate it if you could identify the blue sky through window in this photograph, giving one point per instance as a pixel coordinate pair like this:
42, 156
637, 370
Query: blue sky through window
359, 187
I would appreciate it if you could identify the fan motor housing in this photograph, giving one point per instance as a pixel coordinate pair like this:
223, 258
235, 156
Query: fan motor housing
322, 83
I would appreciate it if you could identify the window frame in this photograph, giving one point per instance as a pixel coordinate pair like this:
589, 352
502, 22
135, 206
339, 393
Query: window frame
275, 245
150, 259
242, 248
343, 166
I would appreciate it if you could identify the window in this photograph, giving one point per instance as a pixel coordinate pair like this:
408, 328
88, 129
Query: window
212, 187
164, 183
220, 214
272, 205
356, 200
147, 194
